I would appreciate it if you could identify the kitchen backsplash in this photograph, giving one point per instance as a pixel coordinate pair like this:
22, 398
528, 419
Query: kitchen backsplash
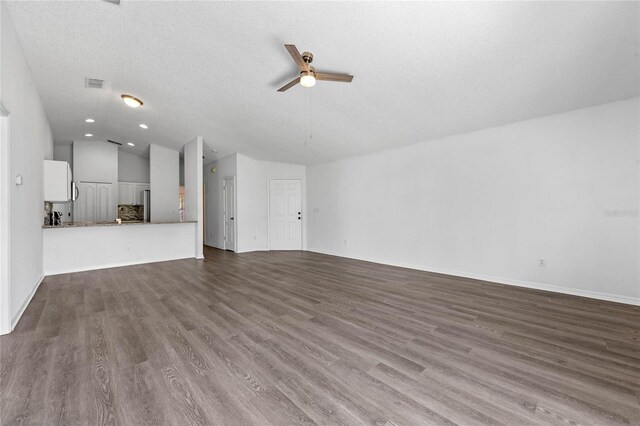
128, 212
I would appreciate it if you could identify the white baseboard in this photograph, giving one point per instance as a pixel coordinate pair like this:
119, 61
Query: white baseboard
213, 246
252, 250
112, 265
500, 280
18, 315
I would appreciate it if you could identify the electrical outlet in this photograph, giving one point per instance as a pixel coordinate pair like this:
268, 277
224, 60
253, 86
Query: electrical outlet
129, 246
541, 263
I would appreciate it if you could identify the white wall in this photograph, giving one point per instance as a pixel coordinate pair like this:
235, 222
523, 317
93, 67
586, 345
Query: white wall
193, 205
63, 153
489, 204
132, 168
253, 200
214, 203
163, 174
118, 246
5, 225
30, 143
95, 161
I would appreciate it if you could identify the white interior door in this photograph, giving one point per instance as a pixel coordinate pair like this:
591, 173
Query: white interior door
229, 198
285, 214
84, 208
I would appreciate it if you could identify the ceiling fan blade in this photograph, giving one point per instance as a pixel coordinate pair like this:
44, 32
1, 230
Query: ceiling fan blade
327, 76
289, 85
297, 57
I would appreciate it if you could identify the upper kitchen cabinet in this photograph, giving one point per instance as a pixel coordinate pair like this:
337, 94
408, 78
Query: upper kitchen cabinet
58, 182
131, 193
126, 193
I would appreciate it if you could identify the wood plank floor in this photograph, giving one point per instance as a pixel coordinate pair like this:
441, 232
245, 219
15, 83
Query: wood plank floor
292, 338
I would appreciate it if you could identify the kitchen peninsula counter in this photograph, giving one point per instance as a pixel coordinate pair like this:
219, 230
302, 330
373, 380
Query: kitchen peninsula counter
125, 223
74, 247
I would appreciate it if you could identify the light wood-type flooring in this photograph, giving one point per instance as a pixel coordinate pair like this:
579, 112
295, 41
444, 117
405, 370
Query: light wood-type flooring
288, 338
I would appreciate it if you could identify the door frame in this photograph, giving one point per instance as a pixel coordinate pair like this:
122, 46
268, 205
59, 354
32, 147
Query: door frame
5, 228
302, 209
235, 212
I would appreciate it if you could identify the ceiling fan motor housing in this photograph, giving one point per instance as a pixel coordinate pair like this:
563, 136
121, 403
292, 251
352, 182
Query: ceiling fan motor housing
312, 71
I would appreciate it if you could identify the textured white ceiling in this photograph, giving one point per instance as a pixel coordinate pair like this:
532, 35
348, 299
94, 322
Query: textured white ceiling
422, 70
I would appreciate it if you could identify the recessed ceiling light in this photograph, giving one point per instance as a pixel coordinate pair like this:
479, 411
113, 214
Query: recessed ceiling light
144, 126
89, 120
88, 135
131, 144
131, 101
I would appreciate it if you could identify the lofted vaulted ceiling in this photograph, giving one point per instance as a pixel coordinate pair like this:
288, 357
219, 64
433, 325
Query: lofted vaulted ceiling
423, 70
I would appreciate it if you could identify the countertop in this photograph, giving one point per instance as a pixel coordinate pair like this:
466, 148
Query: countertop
128, 223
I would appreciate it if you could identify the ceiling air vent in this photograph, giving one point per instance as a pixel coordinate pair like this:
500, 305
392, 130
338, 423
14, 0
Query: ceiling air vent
93, 83
114, 142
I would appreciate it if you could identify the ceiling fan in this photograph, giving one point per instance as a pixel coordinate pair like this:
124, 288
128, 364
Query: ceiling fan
308, 74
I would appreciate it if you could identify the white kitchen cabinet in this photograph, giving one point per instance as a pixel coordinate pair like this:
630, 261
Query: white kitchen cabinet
131, 193
57, 181
139, 190
126, 193
104, 203
85, 206
94, 203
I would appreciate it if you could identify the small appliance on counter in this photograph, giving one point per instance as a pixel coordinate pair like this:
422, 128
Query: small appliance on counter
53, 218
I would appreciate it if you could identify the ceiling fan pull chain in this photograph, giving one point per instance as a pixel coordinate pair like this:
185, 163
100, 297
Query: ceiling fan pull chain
308, 120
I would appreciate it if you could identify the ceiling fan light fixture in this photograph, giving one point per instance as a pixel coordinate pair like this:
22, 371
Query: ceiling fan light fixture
308, 75
307, 79
131, 101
